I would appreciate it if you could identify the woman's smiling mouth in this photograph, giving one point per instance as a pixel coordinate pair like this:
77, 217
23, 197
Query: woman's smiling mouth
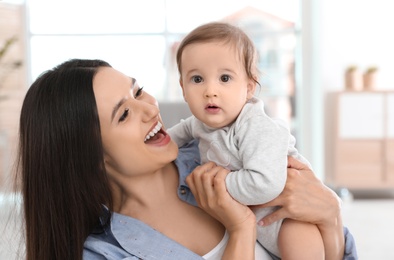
153, 132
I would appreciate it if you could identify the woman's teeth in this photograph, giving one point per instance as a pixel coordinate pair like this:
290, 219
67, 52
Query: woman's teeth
153, 132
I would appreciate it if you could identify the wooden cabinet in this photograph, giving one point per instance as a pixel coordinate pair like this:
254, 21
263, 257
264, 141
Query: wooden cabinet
389, 149
390, 160
360, 140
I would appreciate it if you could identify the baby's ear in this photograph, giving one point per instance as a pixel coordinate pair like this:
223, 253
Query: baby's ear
251, 88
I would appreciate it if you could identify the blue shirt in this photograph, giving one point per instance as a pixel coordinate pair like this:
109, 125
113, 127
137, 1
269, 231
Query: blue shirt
128, 238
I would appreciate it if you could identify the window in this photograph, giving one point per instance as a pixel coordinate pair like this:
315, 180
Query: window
140, 38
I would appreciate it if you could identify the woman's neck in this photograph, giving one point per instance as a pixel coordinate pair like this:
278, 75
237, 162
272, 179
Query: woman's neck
137, 194
153, 200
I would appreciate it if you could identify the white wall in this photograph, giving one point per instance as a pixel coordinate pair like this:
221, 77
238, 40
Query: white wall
358, 32
337, 34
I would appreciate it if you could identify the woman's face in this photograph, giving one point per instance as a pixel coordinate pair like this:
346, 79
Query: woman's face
133, 140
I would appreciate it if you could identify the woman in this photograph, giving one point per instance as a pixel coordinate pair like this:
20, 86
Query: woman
99, 180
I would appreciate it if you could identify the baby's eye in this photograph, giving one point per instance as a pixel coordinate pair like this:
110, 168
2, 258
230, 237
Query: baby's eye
225, 78
124, 115
139, 92
197, 79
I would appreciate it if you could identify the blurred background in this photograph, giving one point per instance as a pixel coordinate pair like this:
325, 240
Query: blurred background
326, 70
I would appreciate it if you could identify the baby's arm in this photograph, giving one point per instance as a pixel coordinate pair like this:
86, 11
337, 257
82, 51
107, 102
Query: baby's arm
182, 132
292, 150
263, 148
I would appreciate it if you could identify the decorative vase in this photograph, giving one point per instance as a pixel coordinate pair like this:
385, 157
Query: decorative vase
369, 79
353, 79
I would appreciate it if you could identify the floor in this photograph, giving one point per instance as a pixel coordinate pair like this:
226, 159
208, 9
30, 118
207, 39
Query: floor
369, 218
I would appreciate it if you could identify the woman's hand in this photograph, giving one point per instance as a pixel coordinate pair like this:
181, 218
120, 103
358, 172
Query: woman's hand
306, 198
207, 182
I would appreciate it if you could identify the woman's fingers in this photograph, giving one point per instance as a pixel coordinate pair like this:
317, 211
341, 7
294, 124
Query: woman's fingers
295, 164
276, 215
273, 217
200, 182
208, 185
304, 198
219, 180
291, 201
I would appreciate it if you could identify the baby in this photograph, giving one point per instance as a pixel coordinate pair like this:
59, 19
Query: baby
217, 63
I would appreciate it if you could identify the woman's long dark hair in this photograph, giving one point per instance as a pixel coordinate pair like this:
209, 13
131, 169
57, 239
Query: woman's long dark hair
61, 165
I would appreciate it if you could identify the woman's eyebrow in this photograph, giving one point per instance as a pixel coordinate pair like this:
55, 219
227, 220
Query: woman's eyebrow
121, 102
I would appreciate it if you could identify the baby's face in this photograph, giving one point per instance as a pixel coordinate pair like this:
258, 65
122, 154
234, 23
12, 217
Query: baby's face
214, 82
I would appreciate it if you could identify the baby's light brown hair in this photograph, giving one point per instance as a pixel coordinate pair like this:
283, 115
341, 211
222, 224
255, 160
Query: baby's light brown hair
227, 34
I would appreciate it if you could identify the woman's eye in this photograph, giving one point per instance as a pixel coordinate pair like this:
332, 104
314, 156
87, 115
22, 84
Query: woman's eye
139, 92
124, 115
197, 79
225, 78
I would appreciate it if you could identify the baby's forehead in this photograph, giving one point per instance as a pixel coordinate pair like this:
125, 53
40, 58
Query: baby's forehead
231, 45
234, 45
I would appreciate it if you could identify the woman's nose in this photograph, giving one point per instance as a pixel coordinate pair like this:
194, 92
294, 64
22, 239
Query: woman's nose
147, 107
149, 111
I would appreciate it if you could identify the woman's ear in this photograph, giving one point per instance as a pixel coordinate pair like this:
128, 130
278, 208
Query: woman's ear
106, 159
